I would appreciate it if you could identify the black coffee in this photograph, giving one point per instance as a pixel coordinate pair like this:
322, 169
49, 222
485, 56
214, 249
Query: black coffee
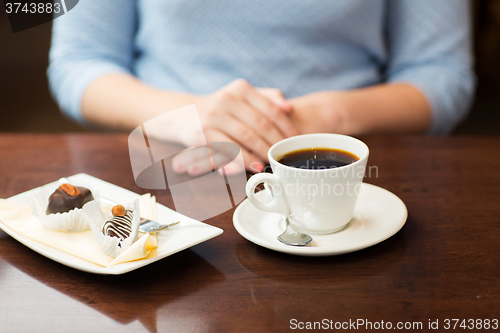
317, 158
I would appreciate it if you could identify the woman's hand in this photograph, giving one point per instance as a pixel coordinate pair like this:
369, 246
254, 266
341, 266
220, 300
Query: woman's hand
320, 112
253, 118
383, 108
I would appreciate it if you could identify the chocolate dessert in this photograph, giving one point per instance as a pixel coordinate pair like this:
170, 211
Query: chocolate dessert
120, 224
68, 197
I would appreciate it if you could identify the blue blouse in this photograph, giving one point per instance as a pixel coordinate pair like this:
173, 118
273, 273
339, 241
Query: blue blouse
199, 46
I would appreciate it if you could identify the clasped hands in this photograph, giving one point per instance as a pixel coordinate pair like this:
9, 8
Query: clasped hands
253, 118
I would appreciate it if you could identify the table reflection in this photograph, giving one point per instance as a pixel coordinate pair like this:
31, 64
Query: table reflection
295, 282
143, 291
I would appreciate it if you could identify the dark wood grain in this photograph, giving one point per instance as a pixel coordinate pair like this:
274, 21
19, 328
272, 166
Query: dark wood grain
442, 264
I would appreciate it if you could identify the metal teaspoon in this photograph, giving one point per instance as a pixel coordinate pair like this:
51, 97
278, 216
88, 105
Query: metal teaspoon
292, 237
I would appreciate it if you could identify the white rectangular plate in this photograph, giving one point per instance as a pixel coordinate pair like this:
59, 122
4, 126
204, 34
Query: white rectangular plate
188, 233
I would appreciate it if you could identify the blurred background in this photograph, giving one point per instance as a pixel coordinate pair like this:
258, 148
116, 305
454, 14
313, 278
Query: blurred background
26, 104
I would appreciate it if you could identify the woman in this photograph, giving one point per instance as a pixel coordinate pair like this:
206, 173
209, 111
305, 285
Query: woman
260, 71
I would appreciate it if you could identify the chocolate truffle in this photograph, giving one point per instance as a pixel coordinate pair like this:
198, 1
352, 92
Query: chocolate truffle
120, 224
68, 197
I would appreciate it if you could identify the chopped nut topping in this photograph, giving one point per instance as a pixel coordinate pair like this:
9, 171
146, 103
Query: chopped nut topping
70, 190
118, 210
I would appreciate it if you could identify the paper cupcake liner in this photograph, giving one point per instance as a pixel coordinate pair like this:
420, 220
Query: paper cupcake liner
112, 246
73, 221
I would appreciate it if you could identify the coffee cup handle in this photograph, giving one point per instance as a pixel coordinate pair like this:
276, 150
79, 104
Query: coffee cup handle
278, 202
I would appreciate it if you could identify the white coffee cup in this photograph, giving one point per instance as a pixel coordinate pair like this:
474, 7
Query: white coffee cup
317, 201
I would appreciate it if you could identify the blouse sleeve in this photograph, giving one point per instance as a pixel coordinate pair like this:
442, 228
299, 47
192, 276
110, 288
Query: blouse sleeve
93, 39
429, 45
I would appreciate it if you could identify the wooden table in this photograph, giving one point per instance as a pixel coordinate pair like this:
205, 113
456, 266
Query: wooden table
443, 264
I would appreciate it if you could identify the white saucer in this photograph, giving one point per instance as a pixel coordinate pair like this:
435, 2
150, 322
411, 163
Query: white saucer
378, 215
